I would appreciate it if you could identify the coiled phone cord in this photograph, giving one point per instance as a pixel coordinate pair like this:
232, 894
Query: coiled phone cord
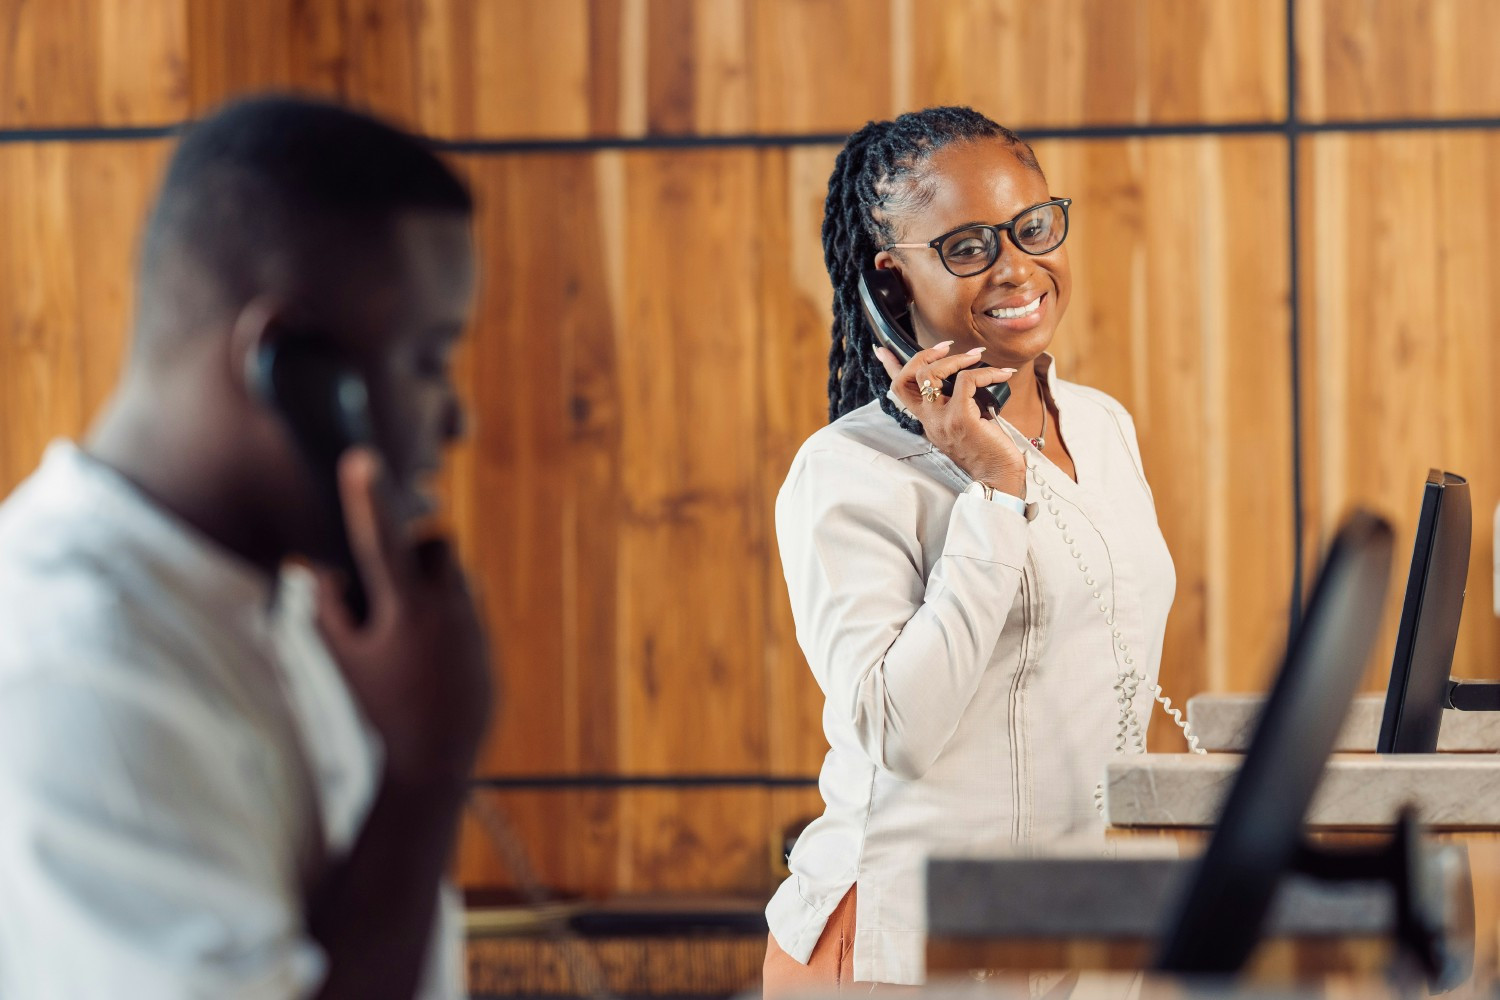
1130, 735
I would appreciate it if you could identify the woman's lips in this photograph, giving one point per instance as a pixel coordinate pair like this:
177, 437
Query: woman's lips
1022, 317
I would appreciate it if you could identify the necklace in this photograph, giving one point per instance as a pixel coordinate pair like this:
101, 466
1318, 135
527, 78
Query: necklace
1040, 441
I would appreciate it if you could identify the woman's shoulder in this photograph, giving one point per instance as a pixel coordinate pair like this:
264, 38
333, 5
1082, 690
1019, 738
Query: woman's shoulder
863, 443
1096, 398
866, 433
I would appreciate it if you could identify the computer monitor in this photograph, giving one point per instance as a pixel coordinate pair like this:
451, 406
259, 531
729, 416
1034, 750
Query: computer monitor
1217, 922
1428, 632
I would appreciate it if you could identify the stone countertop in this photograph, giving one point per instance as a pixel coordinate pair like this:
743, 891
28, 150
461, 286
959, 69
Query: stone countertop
1450, 791
1223, 722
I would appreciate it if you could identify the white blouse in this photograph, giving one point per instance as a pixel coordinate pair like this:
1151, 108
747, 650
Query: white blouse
970, 656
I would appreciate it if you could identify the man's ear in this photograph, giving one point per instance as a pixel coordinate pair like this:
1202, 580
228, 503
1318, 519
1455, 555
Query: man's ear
256, 327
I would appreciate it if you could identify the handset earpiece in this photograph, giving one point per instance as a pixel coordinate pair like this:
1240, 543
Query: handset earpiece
323, 402
887, 309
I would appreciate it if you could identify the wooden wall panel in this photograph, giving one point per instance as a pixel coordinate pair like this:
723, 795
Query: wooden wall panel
69, 214
1179, 310
63, 63
1403, 267
794, 342
1097, 62
517, 69
1362, 59
683, 840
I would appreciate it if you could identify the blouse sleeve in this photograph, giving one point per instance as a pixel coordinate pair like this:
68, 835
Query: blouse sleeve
897, 650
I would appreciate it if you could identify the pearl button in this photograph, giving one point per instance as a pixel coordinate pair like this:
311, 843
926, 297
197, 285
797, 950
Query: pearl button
1104, 608
1096, 595
1090, 580
1117, 633
1129, 661
1122, 647
1076, 553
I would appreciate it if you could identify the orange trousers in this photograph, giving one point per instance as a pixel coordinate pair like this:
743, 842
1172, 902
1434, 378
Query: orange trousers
831, 965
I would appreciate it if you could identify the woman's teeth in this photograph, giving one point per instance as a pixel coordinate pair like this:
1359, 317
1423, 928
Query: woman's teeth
1018, 311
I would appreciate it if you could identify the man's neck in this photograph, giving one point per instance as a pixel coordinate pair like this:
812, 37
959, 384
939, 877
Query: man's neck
175, 463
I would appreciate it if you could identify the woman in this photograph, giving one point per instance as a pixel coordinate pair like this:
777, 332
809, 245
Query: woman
980, 599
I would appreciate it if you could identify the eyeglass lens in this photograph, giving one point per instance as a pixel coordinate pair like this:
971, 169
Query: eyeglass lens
1035, 231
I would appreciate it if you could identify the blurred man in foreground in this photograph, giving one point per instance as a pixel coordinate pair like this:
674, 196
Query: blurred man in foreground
218, 778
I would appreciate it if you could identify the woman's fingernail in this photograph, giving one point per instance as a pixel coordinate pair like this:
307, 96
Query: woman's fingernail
1008, 371
946, 343
977, 350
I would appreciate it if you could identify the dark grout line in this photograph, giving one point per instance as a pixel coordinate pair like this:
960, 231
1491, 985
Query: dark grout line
785, 140
543, 782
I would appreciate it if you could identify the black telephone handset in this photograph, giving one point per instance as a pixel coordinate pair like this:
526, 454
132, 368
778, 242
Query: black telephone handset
324, 404
887, 310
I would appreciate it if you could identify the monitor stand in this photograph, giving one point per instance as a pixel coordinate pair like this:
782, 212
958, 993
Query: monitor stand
1398, 863
1472, 696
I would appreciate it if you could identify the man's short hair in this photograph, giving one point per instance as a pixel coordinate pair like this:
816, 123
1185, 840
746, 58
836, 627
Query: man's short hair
267, 188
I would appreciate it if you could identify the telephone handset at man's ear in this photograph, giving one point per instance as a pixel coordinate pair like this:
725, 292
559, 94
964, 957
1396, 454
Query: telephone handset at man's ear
887, 310
324, 404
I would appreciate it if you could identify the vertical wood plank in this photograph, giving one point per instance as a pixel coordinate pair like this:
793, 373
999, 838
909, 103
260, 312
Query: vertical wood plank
69, 215
1097, 62
692, 548
63, 63
821, 65
1402, 258
794, 345
1406, 59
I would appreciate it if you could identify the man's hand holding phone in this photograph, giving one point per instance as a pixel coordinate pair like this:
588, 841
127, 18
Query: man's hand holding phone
418, 665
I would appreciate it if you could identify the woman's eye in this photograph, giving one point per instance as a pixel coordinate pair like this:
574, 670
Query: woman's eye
966, 248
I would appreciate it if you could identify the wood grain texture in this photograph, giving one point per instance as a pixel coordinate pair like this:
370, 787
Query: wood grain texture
69, 215
1402, 257
510, 69
1180, 311
1096, 62
1361, 59
599, 842
793, 346
67, 62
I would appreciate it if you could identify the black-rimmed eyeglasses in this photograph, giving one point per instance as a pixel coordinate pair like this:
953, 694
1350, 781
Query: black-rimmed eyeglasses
974, 249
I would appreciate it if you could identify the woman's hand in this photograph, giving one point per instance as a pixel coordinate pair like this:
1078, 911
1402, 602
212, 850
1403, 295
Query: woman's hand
954, 424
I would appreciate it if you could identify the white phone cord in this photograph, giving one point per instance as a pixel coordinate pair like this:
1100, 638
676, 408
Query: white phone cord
1129, 734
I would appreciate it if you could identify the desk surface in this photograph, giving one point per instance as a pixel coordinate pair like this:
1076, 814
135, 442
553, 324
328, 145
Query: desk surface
1224, 722
1449, 791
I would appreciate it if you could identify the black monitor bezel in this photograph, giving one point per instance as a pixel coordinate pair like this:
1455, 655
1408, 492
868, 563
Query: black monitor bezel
1430, 613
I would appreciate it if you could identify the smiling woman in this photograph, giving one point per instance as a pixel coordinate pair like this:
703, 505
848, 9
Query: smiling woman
982, 608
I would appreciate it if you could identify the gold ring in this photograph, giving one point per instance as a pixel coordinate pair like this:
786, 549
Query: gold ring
930, 392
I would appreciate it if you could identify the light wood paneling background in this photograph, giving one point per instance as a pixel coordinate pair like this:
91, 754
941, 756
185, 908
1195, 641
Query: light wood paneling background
650, 345
1403, 254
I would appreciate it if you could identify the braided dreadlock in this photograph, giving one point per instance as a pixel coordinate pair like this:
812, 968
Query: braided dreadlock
873, 178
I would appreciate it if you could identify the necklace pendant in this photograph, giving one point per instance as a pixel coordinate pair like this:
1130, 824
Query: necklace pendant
1040, 444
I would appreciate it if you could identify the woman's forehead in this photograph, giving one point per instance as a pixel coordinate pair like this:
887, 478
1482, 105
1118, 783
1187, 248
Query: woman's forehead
981, 181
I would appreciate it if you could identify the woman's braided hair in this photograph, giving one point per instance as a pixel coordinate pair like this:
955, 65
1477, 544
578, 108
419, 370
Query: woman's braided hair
876, 175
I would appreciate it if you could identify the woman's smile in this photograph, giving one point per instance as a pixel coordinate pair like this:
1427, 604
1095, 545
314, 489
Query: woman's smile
1011, 317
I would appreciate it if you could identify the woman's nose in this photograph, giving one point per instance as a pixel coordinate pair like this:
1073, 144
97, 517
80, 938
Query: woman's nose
1010, 267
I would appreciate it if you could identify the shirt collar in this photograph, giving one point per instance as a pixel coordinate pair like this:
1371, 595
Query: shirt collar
186, 562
